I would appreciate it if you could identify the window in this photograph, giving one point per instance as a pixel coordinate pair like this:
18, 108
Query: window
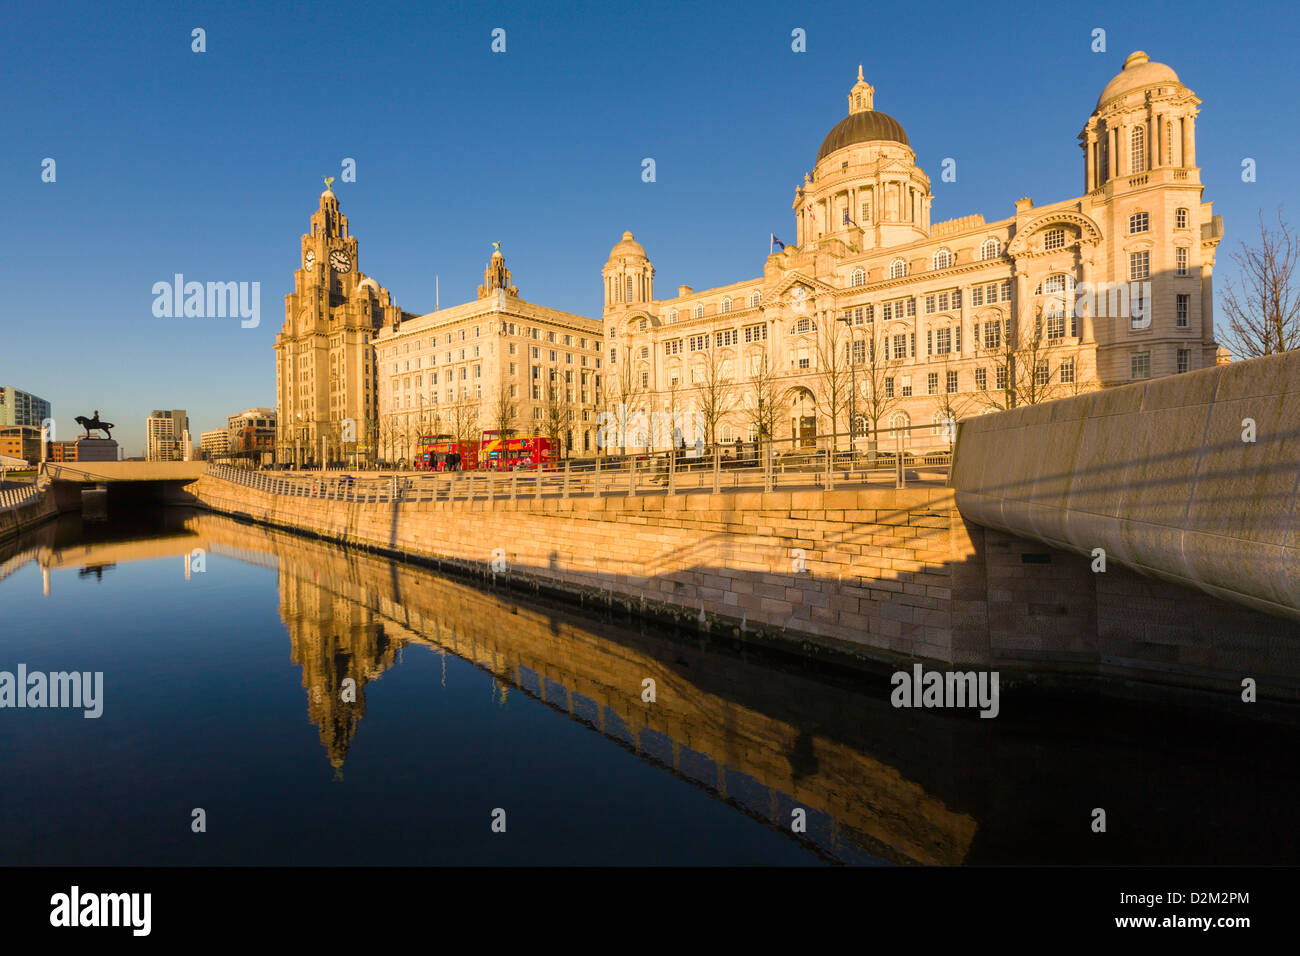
672, 316
981, 379
1184, 359
942, 259
932, 383
1181, 256
723, 339
977, 295
911, 308
645, 379
1041, 373
1001, 377
942, 341
889, 387
1184, 305
1140, 365
906, 386
756, 333
992, 335
990, 249
900, 346
929, 305
645, 353
1055, 325
951, 383
859, 352
1138, 150
1139, 222
1055, 239
1180, 218
673, 348
1139, 265
1067, 371
1006, 290
755, 299
698, 343
613, 356
699, 311
726, 304
898, 269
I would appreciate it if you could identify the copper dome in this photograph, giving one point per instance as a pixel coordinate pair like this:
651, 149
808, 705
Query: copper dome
862, 127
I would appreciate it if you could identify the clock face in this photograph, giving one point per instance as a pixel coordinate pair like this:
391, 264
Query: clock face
310, 259
340, 262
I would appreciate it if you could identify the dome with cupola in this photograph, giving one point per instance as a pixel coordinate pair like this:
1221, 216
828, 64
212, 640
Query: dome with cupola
864, 124
1139, 73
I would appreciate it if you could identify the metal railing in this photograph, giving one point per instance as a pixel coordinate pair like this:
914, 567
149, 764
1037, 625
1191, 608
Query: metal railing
892, 457
17, 495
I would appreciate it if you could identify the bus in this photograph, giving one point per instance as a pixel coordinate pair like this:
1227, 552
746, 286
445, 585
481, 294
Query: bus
441, 453
516, 453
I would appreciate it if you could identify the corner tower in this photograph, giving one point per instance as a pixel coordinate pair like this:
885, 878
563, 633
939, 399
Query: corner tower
629, 276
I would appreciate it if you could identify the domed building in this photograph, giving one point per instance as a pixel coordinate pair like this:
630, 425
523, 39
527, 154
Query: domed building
930, 321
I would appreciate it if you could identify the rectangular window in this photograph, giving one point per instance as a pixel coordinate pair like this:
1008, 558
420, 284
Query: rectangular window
1140, 365
1184, 304
929, 305
1041, 373
1056, 326
942, 341
906, 384
932, 383
859, 351
900, 346
943, 301
1138, 222
1055, 239
951, 383
911, 308
1180, 219
992, 335
1184, 359
1139, 265
1001, 376
981, 379
756, 333
977, 295
889, 387
1067, 371
1182, 260
929, 341
673, 348
956, 299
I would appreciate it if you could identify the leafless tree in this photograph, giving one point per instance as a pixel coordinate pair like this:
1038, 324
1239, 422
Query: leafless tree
761, 409
876, 395
833, 376
1026, 367
504, 410
716, 391
1262, 305
557, 414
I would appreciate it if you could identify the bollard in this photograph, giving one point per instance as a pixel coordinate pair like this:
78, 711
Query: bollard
565, 493
717, 469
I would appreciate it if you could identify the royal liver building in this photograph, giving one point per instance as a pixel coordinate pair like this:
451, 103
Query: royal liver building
880, 316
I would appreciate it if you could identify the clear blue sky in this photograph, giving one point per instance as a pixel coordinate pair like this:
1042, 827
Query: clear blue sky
210, 164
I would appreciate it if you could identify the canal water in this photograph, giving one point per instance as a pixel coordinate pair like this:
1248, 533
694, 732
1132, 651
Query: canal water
226, 651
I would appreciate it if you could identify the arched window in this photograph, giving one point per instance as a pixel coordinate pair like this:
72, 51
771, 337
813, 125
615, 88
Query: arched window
699, 310
1138, 150
1058, 282
899, 420
672, 316
898, 269
859, 277
755, 299
945, 425
726, 304
990, 249
1180, 218
942, 259
1139, 222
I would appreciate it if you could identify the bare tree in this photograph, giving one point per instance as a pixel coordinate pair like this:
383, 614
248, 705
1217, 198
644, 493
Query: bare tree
626, 398
1027, 367
504, 411
763, 394
833, 376
557, 415
462, 420
1262, 305
876, 395
716, 391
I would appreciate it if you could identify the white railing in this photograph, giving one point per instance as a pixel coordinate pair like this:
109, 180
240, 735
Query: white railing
16, 497
895, 457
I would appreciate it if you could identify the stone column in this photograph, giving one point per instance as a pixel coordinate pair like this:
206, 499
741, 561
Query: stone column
1189, 141
1088, 166
1087, 332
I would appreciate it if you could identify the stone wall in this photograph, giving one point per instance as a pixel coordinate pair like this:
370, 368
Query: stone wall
876, 576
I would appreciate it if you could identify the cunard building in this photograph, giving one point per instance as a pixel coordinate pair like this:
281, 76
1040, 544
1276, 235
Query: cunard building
880, 312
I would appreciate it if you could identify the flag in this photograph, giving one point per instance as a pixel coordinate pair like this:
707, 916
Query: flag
847, 220
774, 243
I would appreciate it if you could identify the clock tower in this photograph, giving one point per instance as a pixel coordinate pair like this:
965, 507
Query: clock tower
327, 402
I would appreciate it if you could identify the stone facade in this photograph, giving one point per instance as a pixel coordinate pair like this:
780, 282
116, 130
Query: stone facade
327, 400
939, 320
496, 361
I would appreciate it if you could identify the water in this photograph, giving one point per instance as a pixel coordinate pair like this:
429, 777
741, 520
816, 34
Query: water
222, 692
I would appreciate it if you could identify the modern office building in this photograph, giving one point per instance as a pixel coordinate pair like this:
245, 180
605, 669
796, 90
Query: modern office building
21, 408
167, 435
252, 435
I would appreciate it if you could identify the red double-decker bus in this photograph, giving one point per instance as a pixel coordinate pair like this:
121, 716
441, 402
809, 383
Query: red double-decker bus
516, 453
440, 453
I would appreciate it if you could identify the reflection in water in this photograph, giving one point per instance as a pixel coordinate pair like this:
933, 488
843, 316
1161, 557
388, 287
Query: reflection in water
764, 735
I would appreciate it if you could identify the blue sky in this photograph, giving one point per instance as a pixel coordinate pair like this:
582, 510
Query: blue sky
210, 164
